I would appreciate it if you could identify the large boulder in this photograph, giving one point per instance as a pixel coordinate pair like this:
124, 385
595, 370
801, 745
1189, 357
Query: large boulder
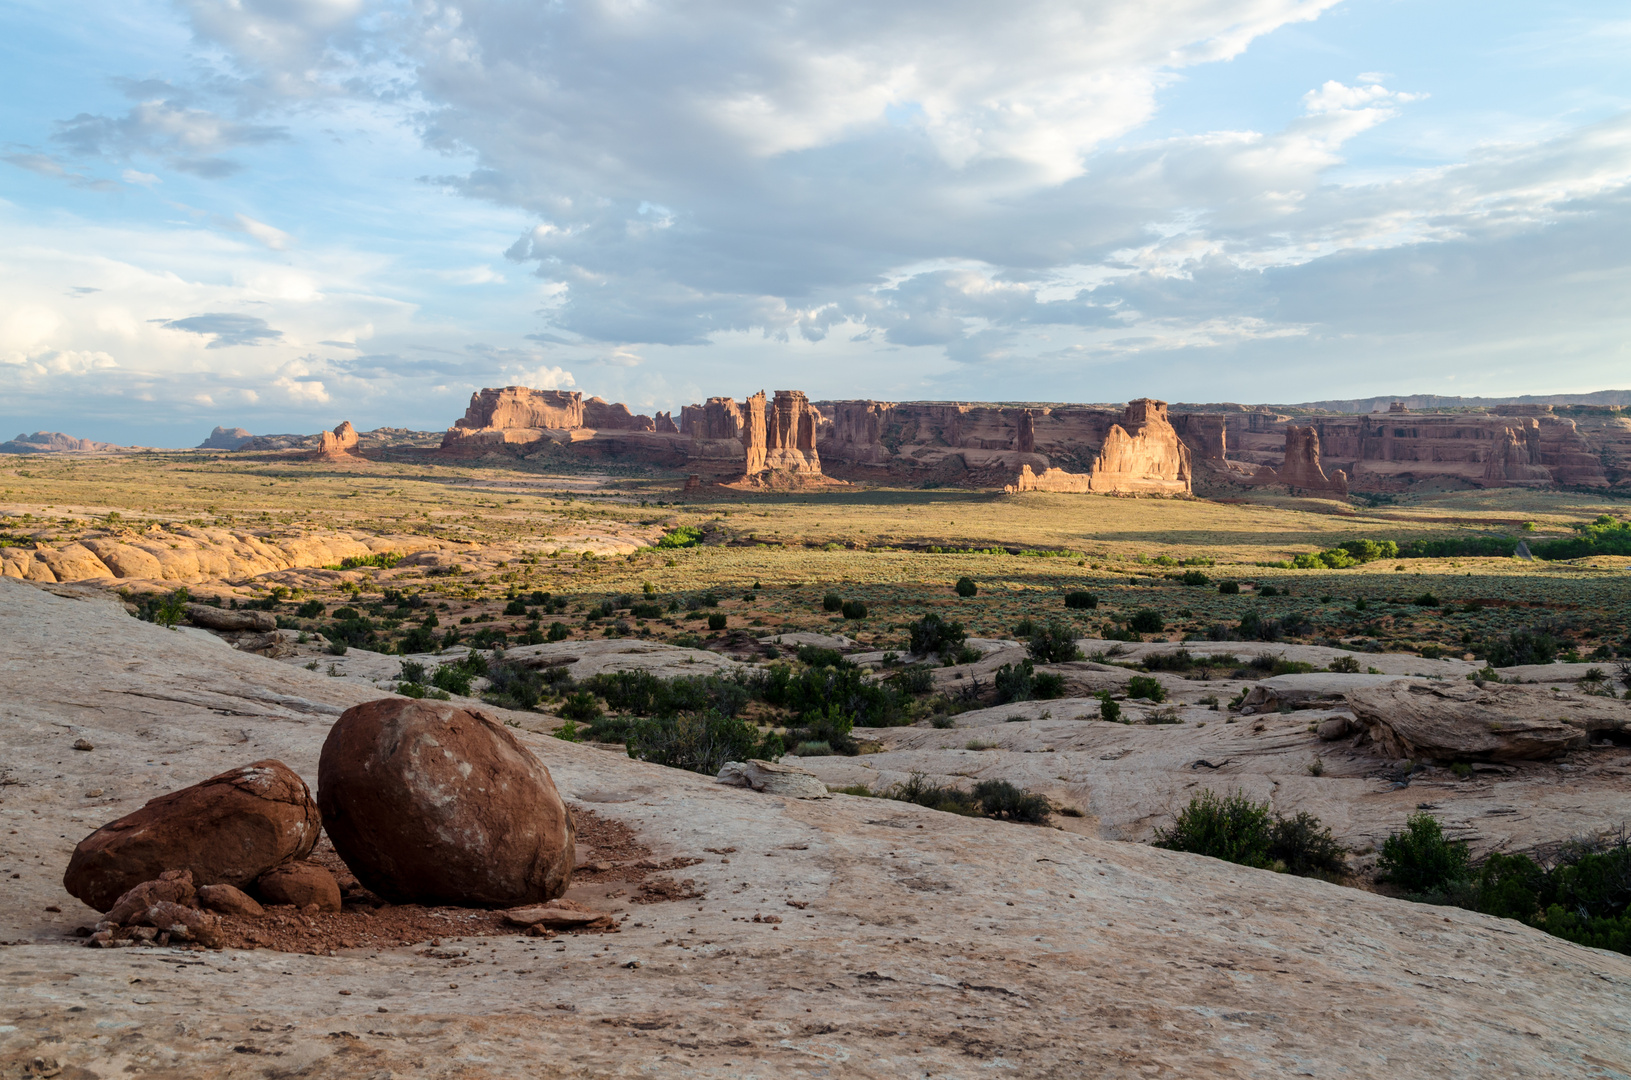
431, 803
1493, 722
213, 618
229, 829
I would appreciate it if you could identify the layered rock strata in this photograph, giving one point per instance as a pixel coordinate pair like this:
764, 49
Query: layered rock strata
1300, 469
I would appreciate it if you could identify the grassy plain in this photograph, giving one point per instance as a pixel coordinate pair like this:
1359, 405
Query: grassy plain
868, 544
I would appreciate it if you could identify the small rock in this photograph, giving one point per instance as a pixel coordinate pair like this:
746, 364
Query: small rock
229, 900
174, 886
94, 793
84, 744
1335, 728
302, 884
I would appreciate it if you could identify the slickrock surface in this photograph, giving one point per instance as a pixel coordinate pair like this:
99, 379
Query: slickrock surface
908, 943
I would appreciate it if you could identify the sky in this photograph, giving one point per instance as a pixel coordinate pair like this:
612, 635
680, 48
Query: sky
281, 214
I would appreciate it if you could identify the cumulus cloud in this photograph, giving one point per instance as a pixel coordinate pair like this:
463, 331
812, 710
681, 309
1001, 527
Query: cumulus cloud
164, 124
225, 329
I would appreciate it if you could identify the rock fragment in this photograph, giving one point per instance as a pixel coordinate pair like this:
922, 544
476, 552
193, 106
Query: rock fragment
229, 900
300, 884
1493, 722
775, 779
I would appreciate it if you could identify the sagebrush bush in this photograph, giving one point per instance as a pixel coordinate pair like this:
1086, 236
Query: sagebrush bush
966, 587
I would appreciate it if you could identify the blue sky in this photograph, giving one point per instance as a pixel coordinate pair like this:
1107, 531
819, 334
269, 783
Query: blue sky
283, 213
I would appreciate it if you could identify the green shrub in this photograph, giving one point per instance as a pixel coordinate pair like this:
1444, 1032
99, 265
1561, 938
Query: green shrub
382, 559
916, 679
1420, 859
164, 610
1143, 686
645, 694
646, 611
1522, 647
1108, 709
1146, 621
1229, 588
1079, 599
1232, 828
1000, 799
1305, 847
513, 687
683, 537
854, 609
581, 705
1426, 599
1604, 536
832, 602
816, 656
412, 672
918, 789
716, 621
1346, 664
516, 606
454, 678
932, 635
1182, 660
558, 631
966, 588
1054, 643
1195, 577
1024, 628
311, 609
699, 742
1015, 682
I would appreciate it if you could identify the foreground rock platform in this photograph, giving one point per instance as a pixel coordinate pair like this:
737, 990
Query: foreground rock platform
917, 943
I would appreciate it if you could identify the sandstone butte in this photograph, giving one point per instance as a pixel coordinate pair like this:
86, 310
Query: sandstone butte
835, 937
1144, 447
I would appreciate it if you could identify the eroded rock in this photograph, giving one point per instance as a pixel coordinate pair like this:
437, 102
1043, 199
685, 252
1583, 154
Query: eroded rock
231, 828
1416, 720
774, 779
301, 884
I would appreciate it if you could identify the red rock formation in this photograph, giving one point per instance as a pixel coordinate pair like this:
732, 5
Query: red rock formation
337, 445
1515, 460
790, 435
602, 415
1049, 480
753, 434
1206, 435
1301, 467
665, 424
1142, 454
1025, 441
521, 407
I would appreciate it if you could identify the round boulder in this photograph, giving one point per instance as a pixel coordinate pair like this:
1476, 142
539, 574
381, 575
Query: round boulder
435, 804
229, 829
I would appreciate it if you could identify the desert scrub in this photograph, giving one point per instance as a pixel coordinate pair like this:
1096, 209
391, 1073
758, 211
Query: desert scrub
933, 636
1053, 643
1021, 683
1237, 829
1150, 689
1421, 859
990, 798
699, 742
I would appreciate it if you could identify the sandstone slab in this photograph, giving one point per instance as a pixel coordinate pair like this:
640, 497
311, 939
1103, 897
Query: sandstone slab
1493, 722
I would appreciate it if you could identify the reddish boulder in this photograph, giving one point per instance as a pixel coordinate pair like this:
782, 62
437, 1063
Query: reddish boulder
432, 803
176, 886
230, 829
230, 901
300, 884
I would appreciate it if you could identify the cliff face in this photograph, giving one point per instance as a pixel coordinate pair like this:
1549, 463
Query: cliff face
337, 445
1142, 454
521, 407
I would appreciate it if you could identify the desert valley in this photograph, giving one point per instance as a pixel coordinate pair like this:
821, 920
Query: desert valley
823, 738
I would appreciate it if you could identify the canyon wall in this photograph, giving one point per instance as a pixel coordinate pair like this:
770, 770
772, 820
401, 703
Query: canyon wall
1142, 448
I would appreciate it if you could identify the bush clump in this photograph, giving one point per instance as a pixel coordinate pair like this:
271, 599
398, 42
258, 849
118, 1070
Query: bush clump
1080, 599
716, 620
932, 635
1195, 577
1150, 689
1522, 647
1420, 859
683, 537
1146, 621
832, 602
1229, 588
966, 588
699, 742
853, 609
1237, 829
1021, 683
1053, 643
990, 798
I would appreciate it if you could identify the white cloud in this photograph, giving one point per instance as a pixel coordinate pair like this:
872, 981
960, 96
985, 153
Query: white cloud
272, 237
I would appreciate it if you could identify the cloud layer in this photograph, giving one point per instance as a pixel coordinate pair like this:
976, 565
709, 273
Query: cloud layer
913, 199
